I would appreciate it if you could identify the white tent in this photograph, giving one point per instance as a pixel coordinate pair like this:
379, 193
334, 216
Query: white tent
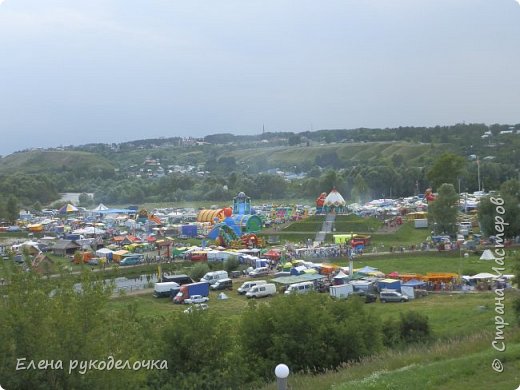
100, 207
89, 230
487, 255
222, 296
103, 252
484, 275
341, 275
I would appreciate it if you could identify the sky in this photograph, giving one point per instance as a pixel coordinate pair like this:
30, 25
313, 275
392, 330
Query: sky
86, 71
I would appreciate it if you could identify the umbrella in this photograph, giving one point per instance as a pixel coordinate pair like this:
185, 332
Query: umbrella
68, 208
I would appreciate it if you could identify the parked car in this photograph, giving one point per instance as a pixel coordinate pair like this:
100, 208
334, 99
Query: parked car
261, 271
300, 288
261, 290
392, 296
196, 299
222, 284
214, 276
131, 260
246, 286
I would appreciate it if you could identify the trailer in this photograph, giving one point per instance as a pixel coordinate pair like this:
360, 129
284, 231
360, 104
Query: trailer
341, 291
180, 279
166, 289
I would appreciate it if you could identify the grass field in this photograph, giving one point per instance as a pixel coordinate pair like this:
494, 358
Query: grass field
423, 262
405, 236
147, 305
450, 315
456, 364
343, 224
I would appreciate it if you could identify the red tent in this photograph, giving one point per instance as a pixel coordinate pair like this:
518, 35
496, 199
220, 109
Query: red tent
272, 254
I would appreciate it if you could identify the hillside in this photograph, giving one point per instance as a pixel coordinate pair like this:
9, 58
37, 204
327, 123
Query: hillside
43, 161
257, 158
347, 153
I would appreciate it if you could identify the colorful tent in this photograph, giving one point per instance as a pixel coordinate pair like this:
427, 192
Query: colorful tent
68, 208
272, 254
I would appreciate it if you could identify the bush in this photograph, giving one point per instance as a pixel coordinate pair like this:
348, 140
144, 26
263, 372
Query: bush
414, 327
232, 264
391, 333
199, 271
201, 355
308, 333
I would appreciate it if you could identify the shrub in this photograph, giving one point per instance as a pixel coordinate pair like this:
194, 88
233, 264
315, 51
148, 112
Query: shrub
391, 333
414, 327
199, 270
232, 264
309, 333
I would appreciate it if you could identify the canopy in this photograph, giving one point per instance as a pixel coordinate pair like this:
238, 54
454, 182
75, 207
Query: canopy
484, 275
297, 278
341, 275
68, 208
414, 283
367, 270
272, 254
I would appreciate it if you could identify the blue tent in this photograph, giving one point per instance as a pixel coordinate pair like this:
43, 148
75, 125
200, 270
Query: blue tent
390, 284
298, 270
414, 283
367, 270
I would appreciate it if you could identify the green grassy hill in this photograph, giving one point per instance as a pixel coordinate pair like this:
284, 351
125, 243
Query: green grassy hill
413, 153
348, 154
42, 161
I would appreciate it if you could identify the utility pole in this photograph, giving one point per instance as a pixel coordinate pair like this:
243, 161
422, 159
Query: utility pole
478, 173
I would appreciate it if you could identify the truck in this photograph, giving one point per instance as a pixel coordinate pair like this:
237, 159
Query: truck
166, 289
188, 290
180, 279
341, 291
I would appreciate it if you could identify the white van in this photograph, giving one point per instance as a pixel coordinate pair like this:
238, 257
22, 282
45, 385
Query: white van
262, 290
260, 271
300, 288
246, 286
214, 276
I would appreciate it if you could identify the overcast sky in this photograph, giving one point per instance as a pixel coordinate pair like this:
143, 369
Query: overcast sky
76, 72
